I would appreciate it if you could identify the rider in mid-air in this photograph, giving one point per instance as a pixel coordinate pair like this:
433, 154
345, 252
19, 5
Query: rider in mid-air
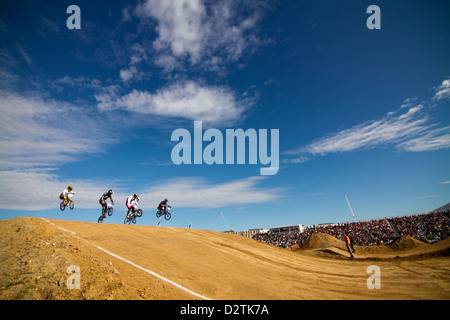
67, 194
162, 207
132, 203
103, 198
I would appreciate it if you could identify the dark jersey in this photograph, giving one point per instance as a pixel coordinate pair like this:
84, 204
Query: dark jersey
106, 196
162, 205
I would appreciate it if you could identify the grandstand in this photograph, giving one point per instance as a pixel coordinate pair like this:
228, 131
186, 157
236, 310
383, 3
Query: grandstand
276, 230
429, 228
248, 233
287, 229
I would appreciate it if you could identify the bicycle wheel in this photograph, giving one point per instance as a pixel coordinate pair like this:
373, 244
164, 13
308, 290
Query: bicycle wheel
138, 213
71, 205
126, 221
133, 220
168, 216
62, 206
158, 214
110, 211
100, 219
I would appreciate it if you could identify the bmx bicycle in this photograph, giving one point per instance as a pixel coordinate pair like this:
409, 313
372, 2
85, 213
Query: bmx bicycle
131, 217
66, 203
165, 213
109, 210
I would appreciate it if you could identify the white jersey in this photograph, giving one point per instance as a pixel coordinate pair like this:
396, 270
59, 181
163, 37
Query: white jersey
68, 194
131, 202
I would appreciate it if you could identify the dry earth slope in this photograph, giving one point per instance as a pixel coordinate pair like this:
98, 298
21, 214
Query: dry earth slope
115, 260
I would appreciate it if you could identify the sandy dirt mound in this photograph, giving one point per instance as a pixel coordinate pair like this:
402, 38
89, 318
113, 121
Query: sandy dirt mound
324, 245
322, 240
406, 243
35, 254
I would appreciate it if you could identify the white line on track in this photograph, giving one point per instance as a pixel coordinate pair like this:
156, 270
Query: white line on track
133, 264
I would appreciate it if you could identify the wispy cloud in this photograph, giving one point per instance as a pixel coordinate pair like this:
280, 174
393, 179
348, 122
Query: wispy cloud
389, 129
37, 135
39, 188
199, 193
80, 82
432, 140
299, 159
442, 91
445, 182
12, 59
24, 55
132, 73
411, 130
190, 100
37, 132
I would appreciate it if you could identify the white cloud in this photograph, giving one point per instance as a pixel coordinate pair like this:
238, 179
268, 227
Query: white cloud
35, 132
198, 193
80, 82
433, 140
442, 91
126, 15
168, 63
38, 134
410, 131
127, 74
411, 111
299, 159
132, 73
202, 32
188, 100
180, 25
407, 103
25, 55
39, 189
389, 129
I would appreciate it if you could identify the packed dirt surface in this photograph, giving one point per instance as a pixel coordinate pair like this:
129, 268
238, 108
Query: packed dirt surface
116, 262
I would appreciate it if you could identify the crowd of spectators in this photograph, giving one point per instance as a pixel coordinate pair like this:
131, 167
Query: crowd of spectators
280, 240
429, 228
371, 233
424, 227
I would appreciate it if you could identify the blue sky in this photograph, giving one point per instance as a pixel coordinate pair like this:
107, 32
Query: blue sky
363, 113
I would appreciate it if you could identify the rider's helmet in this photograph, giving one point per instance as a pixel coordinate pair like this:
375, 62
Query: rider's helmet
70, 188
110, 191
165, 200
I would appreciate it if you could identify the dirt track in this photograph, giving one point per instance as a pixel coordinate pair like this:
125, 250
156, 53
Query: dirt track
34, 256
